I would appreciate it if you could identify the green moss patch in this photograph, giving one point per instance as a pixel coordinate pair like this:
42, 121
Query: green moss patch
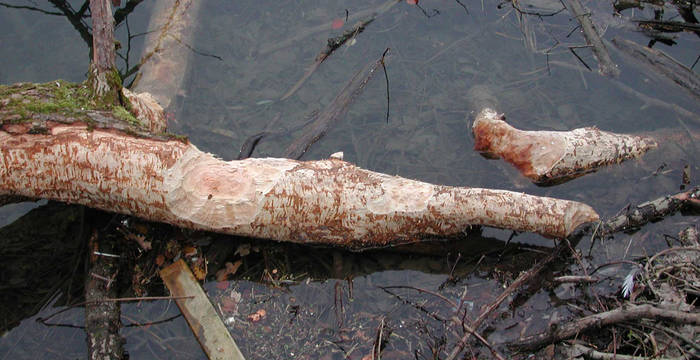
122, 114
26, 99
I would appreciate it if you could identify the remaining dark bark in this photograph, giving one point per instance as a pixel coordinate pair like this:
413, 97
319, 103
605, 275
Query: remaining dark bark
669, 26
104, 78
605, 65
102, 318
653, 210
102, 35
596, 321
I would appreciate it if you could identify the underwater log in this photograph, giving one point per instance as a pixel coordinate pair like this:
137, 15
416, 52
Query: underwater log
550, 157
167, 49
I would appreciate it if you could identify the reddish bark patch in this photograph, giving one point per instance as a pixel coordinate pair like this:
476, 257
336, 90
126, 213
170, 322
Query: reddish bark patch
496, 139
16, 129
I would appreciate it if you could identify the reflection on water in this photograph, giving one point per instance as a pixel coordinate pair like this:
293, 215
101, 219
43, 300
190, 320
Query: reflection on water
436, 65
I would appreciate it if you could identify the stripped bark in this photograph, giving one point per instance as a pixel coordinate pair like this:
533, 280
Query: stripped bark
328, 201
102, 318
164, 63
145, 108
605, 65
550, 157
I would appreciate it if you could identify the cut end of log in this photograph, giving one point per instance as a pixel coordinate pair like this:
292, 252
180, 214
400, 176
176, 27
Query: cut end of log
533, 156
147, 110
551, 157
578, 215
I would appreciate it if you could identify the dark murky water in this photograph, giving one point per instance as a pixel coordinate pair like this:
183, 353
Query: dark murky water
440, 55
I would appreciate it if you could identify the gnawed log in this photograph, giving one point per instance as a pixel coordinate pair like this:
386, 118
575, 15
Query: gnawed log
327, 201
550, 157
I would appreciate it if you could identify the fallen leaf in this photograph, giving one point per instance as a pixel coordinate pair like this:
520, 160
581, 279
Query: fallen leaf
243, 250
257, 316
189, 251
229, 305
412, 2
230, 269
199, 269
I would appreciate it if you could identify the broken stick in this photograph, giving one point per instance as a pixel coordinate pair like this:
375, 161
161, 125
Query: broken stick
331, 113
201, 316
633, 218
550, 157
332, 44
628, 312
605, 65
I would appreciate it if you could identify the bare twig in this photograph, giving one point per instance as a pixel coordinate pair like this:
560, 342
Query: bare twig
594, 354
331, 46
627, 313
336, 109
575, 279
522, 279
649, 211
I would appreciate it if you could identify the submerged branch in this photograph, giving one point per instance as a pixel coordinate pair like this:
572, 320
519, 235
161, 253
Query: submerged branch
336, 109
605, 64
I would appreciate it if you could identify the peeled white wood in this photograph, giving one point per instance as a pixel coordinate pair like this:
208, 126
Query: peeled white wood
326, 201
547, 157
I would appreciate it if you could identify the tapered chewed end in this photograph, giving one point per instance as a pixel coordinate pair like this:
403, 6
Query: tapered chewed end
487, 128
532, 153
578, 215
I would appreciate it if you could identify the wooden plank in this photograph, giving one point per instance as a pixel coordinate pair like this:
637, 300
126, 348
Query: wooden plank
205, 323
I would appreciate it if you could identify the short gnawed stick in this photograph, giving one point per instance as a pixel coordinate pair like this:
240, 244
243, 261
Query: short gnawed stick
549, 157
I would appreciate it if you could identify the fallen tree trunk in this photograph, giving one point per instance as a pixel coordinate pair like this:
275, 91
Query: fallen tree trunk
71, 158
550, 157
